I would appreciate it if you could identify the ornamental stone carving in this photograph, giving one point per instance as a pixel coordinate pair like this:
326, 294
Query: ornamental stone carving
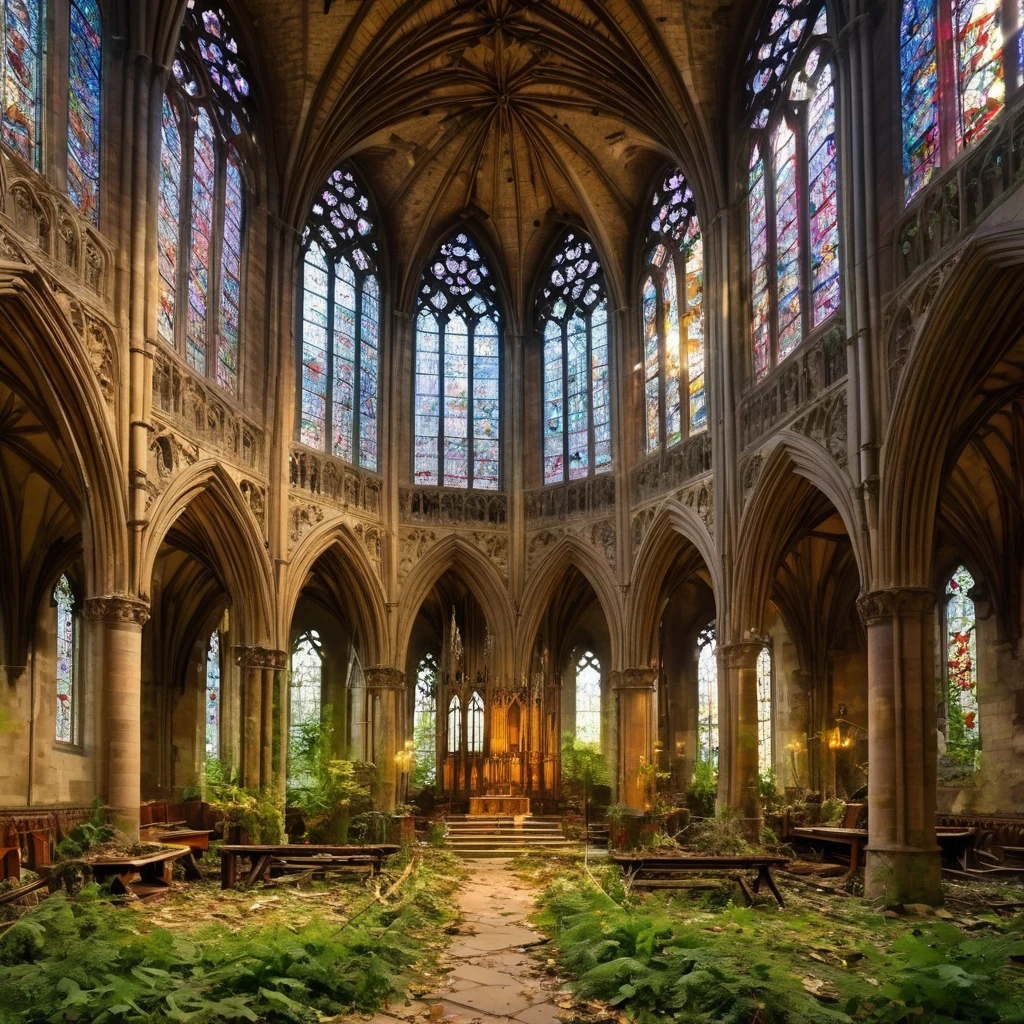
304, 515
826, 423
255, 496
372, 539
411, 546
495, 547
750, 470
383, 677
260, 658
667, 470
643, 519
334, 481
98, 341
901, 602
740, 655
580, 497
117, 609
445, 507
635, 679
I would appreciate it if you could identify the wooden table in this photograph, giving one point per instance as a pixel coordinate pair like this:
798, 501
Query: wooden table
197, 841
260, 858
139, 875
663, 871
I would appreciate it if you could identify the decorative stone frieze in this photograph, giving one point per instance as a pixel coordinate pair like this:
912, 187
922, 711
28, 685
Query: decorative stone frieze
383, 677
881, 605
303, 516
742, 654
635, 679
116, 609
580, 497
443, 506
667, 470
826, 423
411, 546
600, 535
334, 481
260, 658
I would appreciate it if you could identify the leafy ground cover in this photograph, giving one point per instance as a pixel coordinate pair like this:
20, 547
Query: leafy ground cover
695, 957
262, 955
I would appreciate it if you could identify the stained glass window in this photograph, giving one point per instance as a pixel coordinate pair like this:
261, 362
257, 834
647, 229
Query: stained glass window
205, 137
213, 691
588, 698
424, 725
962, 726
707, 696
457, 393
675, 396
572, 316
919, 92
792, 184
67, 669
454, 725
304, 689
24, 49
339, 352
86, 48
764, 710
475, 724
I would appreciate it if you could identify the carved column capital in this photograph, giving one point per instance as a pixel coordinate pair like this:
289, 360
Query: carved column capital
383, 677
635, 679
900, 602
116, 609
260, 657
743, 654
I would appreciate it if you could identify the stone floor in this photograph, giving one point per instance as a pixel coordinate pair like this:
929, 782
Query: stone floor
492, 978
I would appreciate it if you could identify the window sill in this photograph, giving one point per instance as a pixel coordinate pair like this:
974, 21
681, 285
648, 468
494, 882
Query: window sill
74, 749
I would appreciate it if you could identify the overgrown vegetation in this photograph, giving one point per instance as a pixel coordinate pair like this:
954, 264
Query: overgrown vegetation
84, 959
659, 957
703, 789
252, 813
582, 768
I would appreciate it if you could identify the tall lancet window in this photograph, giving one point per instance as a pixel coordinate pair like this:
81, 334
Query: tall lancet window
457, 404
454, 725
969, 45
339, 358
588, 698
475, 724
213, 693
792, 184
963, 733
84, 94
67, 663
24, 51
305, 688
675, 396
206, 142
764, 710
424, 724
707, 696
572, 321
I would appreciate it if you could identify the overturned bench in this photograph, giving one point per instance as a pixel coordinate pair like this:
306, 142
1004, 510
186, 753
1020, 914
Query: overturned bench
664, 871
299, 858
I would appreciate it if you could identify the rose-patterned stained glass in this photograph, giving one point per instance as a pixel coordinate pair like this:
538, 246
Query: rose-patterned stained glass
342, 297
213, 692
962, 660
919, 94
67, 713
168, 222
457, 391
84, 66
787, 232
674, 316
204, 173
588, 698
230, 275
305, 691
822, 175
24, 47
211, 32
978, 44
764, 710
707, 696
572, 316
760, 298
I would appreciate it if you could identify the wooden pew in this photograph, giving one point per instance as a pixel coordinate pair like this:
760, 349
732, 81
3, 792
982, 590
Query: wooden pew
261, 857
664, 871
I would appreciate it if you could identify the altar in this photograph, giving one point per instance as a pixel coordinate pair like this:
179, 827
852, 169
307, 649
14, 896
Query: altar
501, 806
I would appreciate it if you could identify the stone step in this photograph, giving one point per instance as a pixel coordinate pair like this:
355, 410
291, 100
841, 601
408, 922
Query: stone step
481, 853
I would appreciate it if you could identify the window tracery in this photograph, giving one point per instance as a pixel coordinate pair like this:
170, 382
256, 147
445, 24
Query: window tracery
304, 686
764, 710
475, 724
792, 181
963, 733
457, 403
213, 693
425, 722
340, 354
673, 317
454, 725
588, 698
964, 43
206, 132
707, 696
572, 317
67, 663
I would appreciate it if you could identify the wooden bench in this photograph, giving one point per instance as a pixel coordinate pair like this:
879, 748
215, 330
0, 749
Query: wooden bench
261, 858
662, 871
141, 876
197, 841
845, 834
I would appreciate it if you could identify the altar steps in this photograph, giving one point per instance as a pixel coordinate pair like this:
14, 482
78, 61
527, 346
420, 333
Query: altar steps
477, 837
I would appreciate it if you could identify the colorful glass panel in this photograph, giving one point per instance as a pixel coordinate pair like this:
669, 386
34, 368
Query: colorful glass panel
369, 372
64, 599
343, 349
24, 25
213, 691
672, 355
218, 48
428, 391
577, 373
554, 404
456, 403
313, 414
588, 699
168, 224
822, 176
760, 312
919, 93
203, 178
652, 380
697, 392
600, 388
764, 710
84, 60
707, 696
787, 234
230, 275
981, 89
486, 382
962, 727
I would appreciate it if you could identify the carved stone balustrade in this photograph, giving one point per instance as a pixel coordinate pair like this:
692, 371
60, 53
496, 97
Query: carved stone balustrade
578, 497
443, 506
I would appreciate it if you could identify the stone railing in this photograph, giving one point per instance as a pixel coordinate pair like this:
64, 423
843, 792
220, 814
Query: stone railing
668, 469
792, 387
49, 224
334, 481
955, 199
579, 497
445, 506
194, 407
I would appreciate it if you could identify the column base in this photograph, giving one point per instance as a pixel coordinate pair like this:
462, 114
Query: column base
906, 875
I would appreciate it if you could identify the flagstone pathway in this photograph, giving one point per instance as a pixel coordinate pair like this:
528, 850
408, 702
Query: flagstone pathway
492, 979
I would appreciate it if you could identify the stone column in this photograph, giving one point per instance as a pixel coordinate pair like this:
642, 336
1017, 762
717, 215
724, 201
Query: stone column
903, 863
635, 690
385, 705
257, 666
737, 764
118, 623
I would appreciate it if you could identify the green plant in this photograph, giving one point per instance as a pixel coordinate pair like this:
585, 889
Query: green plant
768, 789
718, 836
832, 811
254, 813
702, 792
583, 766
437, 833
